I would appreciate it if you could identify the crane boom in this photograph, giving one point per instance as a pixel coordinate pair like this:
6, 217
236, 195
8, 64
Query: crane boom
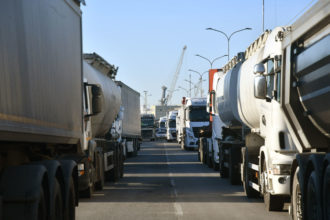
175, 77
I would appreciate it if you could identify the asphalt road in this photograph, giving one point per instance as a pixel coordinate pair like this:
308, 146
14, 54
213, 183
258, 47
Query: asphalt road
165, 182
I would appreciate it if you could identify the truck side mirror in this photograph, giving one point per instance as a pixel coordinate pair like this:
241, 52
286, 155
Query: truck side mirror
97, 99
213, 108
208, 103
259, 68
260, 87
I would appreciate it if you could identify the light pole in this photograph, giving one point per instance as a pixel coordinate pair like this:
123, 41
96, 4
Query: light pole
211, 62
190, 82
200, 79
145, 106
228, 37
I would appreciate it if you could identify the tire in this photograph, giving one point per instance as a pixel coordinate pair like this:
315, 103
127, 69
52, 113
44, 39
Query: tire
326, 193
70, 209
57, 201
99, 185
296, 198
114, 174
249, 191
87, 193
209, 159
121, 163
222, 169
215, 165
204, 152
42, 207
233, 171
200, 151
313, 203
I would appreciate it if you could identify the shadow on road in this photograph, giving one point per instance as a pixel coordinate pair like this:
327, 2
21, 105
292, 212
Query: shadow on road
151, 176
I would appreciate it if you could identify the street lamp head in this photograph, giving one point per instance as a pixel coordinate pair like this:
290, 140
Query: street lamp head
248, 28
209, 29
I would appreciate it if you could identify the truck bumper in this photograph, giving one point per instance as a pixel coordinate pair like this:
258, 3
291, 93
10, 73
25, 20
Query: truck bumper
280, 184
192, 145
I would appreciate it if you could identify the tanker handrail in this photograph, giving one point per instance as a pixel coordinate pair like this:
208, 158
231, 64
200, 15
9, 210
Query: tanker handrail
258, 43
101, 64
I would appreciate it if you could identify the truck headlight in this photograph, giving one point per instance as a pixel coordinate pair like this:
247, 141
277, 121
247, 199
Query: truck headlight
81, 169
281, 169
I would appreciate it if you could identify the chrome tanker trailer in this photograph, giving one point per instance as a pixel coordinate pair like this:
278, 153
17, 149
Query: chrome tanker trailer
104, 153
225, 106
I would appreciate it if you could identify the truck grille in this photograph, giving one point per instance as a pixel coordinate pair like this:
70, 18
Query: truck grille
146, 133
173, 134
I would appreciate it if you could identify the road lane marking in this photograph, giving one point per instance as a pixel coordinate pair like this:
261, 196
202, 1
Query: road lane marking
177, 206
178, 209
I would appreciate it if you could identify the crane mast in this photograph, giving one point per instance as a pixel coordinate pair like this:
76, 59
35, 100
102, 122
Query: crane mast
175, 77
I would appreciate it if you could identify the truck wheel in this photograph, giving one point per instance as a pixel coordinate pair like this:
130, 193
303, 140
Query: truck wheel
326, 193
215, 165
99, 185
87, 193
313, 202
121, 163
222, 169
42, 207
209, 159
296, 198
70, 210
234, 177
247, 176
204, 151
58, 201
200, 150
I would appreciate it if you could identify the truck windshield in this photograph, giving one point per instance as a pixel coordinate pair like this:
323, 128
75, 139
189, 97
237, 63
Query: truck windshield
172, 123
147, 122
198, 113
162, 124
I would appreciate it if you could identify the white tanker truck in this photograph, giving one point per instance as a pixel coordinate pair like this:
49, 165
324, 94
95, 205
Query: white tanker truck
286, 107
255, 127
104, 152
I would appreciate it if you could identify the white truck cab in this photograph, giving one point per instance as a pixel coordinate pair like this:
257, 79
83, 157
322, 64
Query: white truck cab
171, 126
194, 118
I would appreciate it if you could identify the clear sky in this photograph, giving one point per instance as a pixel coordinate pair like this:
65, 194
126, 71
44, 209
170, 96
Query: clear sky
145, 37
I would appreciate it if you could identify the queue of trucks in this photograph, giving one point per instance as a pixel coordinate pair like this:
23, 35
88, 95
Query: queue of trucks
63, 119
66, 124
271, 107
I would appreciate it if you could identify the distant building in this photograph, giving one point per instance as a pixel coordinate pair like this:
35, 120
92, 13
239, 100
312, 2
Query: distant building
160, 111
